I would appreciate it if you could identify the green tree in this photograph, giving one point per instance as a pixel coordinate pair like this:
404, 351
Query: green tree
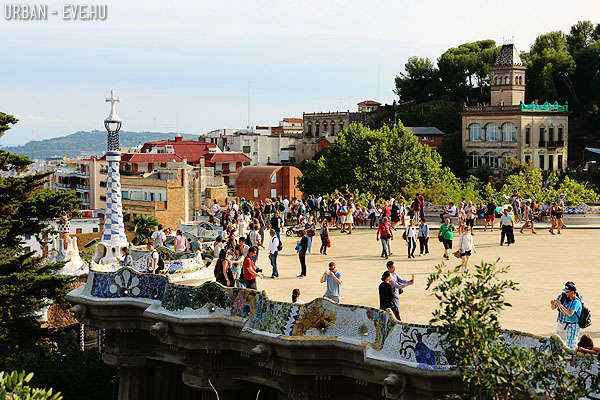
549, 69
14, 386
25, 280
142, 225
420, 82
490, 368
381, 161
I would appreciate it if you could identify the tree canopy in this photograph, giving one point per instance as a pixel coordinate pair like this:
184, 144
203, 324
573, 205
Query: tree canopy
26, 282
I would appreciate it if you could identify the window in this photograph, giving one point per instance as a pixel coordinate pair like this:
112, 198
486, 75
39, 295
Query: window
474, 160
506, 80
528, 135
124, 195
509, 132
309, 130
341, 127
324, 127
542, 130
274, 179
541, 161
560, 162
490, 159
94, 230
491, 132
246, 149
527, 160
551, 134
317, 130
151, 196
496, 80
273, 193
551, 162
474, 132
255, 193
332, 129
560, 133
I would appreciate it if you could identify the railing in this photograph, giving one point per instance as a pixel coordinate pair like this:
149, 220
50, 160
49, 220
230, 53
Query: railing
63, 186
488, 108
556, 143
84, 188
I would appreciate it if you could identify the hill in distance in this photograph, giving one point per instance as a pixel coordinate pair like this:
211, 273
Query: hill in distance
86, 143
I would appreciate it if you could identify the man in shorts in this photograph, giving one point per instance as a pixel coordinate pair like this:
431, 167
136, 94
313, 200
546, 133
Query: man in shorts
569, 305
470, 215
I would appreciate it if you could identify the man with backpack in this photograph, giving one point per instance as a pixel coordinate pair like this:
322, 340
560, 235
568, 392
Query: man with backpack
572, 315
154, 263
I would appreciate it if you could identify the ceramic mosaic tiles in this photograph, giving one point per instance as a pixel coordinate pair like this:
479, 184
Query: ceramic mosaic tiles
382, 337
127, 283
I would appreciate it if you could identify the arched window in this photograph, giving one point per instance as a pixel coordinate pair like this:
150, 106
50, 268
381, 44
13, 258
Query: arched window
309, 130
491, 132
474, 160
506, 80
317, 129
332, 128
496, 80
474, 132
551, 133
509, 132
490, 159
325, 128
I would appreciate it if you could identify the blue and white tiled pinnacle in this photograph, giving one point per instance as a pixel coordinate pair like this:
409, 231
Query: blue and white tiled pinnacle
114, 229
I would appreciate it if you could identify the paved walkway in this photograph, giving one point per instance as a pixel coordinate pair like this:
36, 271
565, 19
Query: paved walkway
541, 263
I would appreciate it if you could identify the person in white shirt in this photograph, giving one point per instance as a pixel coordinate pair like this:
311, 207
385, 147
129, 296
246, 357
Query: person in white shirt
506, 226
215, 208
158, 236
151, 259
273, 251
470, 215
243, 246
286, 205
465, 246
411, 238
449, 212
218, 246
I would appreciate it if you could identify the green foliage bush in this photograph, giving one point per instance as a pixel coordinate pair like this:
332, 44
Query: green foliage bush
13, 386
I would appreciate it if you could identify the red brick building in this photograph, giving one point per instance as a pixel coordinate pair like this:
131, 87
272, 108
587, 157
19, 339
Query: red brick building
259, 183
428, 135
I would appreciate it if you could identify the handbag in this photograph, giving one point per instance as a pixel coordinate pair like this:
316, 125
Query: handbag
328, 242
456, 254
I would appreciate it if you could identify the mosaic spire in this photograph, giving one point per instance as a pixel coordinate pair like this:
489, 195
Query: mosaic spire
114, 230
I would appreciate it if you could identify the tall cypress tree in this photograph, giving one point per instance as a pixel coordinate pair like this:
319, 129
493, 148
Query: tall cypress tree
26, 280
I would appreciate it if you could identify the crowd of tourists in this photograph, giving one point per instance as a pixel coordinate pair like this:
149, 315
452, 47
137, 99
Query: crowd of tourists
252, 227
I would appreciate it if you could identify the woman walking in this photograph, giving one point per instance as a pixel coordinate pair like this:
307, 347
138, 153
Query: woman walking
411, 238
350, 216
324, 237
223, 272
465, 247
423, 235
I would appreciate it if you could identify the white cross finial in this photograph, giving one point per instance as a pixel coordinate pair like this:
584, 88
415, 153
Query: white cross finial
112, 100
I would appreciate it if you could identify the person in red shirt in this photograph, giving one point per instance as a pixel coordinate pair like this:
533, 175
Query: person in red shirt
249, 270
421, 199
384, 232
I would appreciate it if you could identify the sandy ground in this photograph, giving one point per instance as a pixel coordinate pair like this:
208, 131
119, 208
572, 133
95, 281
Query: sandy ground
541, 264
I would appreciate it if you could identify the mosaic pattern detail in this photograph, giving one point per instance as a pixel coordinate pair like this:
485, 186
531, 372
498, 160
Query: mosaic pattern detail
381, 335
127, 283
114, 230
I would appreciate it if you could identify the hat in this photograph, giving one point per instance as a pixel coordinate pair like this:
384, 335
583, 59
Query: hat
569, 287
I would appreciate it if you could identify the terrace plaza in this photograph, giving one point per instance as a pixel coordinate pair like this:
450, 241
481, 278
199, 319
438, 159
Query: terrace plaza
541, 264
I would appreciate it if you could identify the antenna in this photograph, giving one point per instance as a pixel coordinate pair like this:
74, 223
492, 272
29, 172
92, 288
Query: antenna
249, 123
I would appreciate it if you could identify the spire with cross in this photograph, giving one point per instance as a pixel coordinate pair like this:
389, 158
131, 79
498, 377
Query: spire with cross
112, 123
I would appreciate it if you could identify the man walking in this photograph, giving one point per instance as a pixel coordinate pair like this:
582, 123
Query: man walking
273, 251
248, 270
333, 277
384, 232
276, 224
397, 285
506, 227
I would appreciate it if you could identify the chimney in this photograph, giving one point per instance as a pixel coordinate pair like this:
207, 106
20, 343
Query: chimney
178, 138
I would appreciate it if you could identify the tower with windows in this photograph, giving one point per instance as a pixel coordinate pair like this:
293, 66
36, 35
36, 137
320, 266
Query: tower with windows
507, 78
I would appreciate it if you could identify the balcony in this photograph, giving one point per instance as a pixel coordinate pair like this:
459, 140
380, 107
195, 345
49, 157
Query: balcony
83, 188
488, 108
62, 186
72, 172
556, 143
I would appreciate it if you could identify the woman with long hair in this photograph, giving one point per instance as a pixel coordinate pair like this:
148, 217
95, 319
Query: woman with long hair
324, 237
223, 273
181, 242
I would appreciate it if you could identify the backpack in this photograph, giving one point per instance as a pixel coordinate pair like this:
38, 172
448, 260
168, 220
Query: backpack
160, 264
585, 317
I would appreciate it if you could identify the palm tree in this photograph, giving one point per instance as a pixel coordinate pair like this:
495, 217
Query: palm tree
142, 225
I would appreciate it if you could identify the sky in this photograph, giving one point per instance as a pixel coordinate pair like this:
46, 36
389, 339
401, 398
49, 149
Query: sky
188, 66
